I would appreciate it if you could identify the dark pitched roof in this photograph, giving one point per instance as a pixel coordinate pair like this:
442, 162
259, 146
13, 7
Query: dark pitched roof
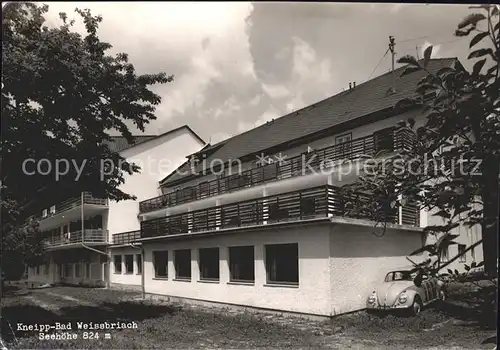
365, 99
119, 143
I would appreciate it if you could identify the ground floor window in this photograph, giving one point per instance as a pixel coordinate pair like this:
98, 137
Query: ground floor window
129, 263
444, 254
461, 250
46, 269
160, 263
138, 261
68, 273
209, 263
182, 262
241, 264
87, 270
282, 263
77, 270
37, 270
118, 264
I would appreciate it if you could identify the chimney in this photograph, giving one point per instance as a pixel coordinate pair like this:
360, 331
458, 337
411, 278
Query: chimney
353, 85
350, 86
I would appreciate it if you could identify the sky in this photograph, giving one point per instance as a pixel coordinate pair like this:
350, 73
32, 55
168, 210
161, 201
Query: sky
237, 65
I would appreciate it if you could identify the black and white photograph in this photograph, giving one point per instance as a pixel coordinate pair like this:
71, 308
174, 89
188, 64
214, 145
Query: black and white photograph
249, 175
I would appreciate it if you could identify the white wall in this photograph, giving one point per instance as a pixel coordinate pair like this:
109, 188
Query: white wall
124, 277
157, 158
466, 236
360, 260
310, 296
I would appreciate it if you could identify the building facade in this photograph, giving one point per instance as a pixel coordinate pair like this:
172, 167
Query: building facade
259, 220
79, 231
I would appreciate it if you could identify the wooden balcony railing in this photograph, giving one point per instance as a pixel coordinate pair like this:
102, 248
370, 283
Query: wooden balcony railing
126, 237
322, 201
296, 166
71, 203
87, 236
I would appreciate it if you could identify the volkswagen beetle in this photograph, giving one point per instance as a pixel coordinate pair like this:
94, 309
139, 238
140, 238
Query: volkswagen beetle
398, 291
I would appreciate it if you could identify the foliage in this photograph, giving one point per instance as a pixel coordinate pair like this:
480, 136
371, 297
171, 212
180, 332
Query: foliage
452, 169
62, 96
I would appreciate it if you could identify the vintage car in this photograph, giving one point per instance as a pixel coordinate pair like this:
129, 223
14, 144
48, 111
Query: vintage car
398, 291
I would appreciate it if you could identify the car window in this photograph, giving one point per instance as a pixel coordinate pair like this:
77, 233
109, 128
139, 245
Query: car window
398, 276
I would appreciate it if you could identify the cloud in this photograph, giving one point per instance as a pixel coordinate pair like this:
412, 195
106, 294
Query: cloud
276, 91
238, 65
268, 115
198, 44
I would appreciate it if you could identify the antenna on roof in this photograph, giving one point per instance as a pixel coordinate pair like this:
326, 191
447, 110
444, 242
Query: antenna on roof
392, 44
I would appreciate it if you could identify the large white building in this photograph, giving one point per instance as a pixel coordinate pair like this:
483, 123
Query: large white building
250, 221
79, 230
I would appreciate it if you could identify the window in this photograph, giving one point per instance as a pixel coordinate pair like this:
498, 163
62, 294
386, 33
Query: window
118, 263
77, 270
343, 138
276, 213
209, 263
37, 270
444, 254
282, 263
461, 250
308, 206
384, 140
200, 221
46, 269
160, 262
204, 189
68, 273
87, 270
345, 144
238, 181
138, 261
129, 263
270, 172
182, 262
241, 264
473, 254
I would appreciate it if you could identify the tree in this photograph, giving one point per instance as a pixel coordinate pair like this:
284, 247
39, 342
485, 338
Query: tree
62, 95
452, 170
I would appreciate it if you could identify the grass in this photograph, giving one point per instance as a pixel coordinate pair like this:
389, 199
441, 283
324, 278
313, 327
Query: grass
163, 325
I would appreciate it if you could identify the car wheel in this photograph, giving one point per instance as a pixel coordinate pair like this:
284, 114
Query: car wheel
416, 307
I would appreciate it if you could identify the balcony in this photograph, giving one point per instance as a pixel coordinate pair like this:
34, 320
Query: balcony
126, 237
71, 209
296, 166
88, 237
320, 202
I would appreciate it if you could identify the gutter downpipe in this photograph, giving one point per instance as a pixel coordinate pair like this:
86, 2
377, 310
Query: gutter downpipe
143, 287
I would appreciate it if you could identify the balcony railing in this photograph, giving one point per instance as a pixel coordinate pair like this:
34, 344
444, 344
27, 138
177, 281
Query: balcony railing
86, 236
71, 203
323, 201
126, 237
295, 166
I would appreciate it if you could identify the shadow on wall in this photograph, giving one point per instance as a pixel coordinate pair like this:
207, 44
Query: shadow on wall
350, 241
